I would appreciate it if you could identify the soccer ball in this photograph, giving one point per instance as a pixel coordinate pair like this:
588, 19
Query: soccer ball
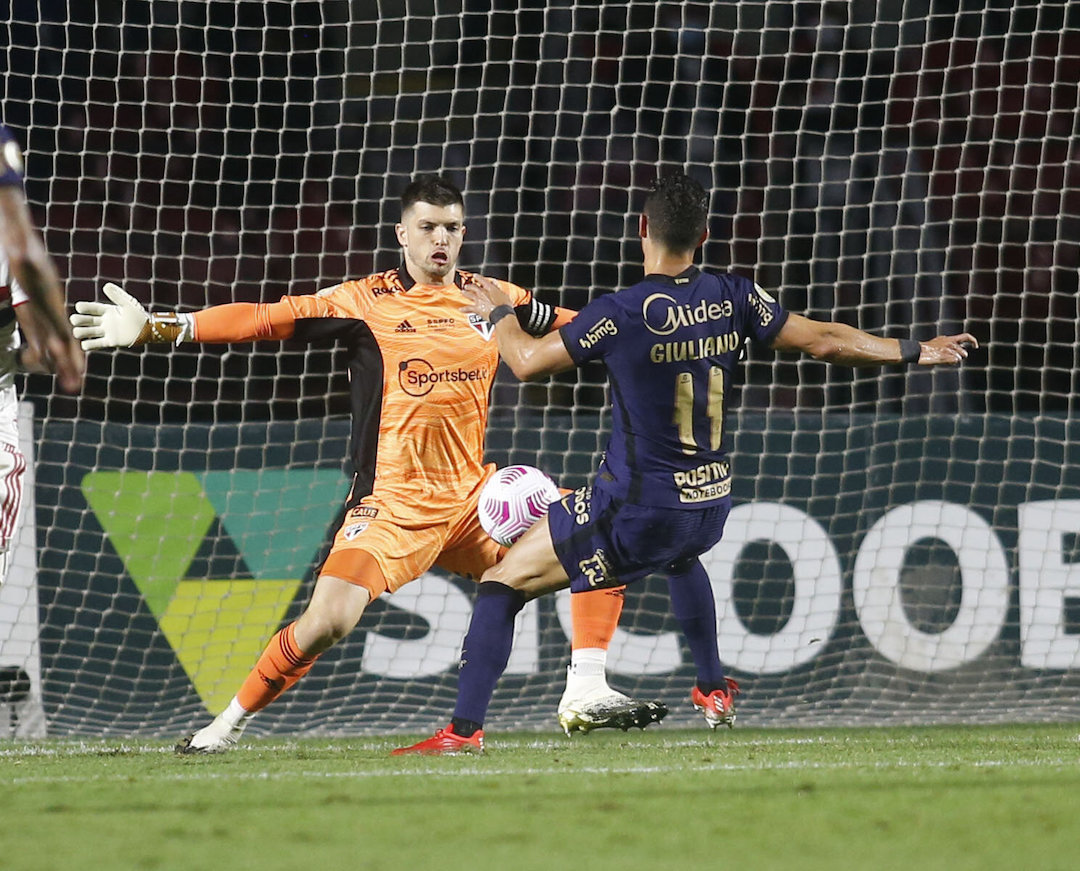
512, 500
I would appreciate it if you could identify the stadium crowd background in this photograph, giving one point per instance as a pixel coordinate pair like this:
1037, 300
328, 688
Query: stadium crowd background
902, 163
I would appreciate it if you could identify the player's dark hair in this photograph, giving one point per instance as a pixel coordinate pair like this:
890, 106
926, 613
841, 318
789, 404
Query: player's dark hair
677, 208
434, 189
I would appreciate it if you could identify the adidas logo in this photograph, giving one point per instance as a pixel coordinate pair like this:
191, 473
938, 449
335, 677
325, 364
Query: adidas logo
404, 327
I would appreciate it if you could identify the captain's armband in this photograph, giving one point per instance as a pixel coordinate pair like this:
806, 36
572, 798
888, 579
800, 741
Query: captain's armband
535, 317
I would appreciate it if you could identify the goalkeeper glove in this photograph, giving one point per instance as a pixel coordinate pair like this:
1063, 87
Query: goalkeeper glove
126, 324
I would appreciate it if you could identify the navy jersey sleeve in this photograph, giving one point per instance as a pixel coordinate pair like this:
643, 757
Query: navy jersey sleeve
763, 316
11, 164
592, 333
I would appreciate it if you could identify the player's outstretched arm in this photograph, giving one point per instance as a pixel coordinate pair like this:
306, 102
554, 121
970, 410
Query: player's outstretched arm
527, 357
849, 346
126, 324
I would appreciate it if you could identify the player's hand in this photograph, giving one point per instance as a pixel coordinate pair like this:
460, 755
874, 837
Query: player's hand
48, 344
483, 294
98, 325
58, 355
948, 350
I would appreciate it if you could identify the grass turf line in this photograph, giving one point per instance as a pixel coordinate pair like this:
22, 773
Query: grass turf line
946, 797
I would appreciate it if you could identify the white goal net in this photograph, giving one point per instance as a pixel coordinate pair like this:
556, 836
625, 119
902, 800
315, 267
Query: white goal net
905, 546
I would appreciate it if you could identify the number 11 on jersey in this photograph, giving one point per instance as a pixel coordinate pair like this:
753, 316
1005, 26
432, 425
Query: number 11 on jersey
714, 409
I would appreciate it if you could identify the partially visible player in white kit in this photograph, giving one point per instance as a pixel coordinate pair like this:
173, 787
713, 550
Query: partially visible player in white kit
34, 332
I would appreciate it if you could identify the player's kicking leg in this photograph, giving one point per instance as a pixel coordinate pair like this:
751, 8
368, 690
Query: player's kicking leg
528, 570
588, 701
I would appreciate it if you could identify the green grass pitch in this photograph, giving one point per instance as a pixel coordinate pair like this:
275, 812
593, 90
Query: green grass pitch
906, 798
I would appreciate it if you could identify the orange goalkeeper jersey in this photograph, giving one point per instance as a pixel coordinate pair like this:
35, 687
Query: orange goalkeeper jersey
420, 373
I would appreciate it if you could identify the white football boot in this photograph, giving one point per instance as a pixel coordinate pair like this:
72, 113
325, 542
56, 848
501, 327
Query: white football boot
589, 703
221, 735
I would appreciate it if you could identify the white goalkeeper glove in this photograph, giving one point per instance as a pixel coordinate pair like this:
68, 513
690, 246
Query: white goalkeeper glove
126, 324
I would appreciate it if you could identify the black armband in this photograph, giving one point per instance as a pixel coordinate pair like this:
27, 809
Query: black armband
535, 317
498, 313
910, 350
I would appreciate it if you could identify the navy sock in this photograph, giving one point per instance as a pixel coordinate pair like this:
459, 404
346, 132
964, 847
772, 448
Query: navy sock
695, 608
465, 728
486, 649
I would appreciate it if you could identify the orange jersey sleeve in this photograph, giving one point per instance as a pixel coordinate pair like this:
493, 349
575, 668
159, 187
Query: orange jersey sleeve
250, 321
243, 322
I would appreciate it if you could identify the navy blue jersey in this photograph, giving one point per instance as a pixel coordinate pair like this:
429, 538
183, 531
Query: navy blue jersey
670, 346
11, 164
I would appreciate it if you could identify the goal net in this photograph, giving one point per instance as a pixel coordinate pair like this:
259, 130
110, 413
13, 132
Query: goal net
904, 546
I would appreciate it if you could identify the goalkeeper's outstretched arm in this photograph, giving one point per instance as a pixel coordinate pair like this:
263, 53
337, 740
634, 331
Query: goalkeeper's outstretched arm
127, 324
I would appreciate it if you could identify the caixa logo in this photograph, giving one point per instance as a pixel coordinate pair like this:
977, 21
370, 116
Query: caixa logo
418, 377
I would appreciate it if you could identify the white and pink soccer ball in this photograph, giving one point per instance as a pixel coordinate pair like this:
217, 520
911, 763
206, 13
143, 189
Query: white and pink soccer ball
512, 500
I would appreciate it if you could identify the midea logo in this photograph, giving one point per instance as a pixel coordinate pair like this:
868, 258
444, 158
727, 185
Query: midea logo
663, 315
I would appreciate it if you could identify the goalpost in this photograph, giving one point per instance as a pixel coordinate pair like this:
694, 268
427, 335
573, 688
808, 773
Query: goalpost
904, 546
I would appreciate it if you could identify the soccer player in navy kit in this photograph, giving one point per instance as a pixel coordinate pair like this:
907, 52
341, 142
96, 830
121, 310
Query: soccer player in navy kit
662, 493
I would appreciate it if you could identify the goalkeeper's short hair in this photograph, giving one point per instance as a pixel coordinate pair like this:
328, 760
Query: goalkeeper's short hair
434, 189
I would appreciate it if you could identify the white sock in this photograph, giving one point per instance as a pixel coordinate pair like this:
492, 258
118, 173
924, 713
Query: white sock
235, 716
588, 661
586, 675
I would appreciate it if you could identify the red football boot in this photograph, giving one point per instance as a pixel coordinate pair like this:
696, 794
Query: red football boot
719, 705
445, 743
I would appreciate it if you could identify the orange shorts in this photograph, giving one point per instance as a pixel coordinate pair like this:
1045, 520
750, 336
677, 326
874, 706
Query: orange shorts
405, 549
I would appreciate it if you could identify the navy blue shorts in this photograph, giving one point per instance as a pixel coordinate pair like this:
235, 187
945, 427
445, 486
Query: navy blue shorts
603, 542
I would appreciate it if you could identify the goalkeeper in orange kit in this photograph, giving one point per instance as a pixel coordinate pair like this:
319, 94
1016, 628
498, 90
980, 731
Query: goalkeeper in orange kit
421, 373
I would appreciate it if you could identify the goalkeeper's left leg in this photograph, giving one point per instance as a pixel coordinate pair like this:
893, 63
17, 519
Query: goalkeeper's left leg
335, 608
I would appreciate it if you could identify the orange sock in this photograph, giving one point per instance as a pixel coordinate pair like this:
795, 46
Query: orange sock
281, 665
595, 616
